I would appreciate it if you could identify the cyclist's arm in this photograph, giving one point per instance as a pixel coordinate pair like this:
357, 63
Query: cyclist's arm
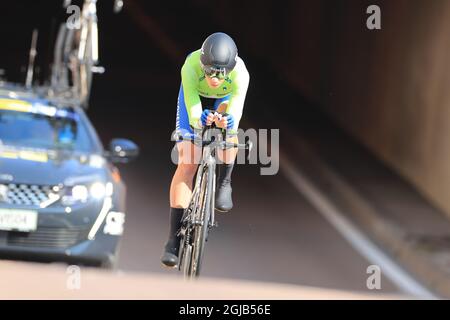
191, 97
240, 86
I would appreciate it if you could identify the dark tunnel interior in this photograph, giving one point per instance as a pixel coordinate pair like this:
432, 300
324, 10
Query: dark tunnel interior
373, 104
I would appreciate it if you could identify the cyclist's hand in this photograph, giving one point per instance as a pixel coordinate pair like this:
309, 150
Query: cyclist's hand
225, 121
207, 117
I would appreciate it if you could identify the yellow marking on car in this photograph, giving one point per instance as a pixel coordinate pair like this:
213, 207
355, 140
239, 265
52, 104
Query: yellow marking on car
9, 154
34, 156
25, 155
15, 105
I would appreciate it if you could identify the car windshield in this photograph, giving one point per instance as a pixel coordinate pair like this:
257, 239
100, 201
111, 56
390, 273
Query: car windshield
32, 130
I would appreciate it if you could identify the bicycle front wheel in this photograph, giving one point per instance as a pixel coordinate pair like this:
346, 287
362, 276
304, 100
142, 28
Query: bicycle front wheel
203, 216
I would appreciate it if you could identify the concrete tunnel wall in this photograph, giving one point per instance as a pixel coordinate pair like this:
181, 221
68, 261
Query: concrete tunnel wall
389, 88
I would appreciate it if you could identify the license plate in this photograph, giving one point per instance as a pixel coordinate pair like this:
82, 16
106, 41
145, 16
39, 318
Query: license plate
18, 220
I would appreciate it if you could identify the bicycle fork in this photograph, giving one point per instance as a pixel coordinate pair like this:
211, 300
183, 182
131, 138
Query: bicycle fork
212, 163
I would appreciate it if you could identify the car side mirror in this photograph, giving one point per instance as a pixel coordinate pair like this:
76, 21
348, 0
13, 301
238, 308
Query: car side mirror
122, 150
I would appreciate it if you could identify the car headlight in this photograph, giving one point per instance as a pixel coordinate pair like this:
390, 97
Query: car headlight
97, 190
81, 193
74, 194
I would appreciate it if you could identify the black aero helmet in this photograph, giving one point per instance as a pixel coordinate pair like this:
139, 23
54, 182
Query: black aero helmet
219, 51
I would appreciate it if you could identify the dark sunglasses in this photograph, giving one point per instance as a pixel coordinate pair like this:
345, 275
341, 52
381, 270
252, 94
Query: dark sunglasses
213, 72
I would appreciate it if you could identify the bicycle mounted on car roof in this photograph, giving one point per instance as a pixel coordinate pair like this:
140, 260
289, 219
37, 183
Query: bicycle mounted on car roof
76, 54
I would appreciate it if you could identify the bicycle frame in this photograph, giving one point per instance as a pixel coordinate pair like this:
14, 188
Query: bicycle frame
209, 160
201, 209
196, 214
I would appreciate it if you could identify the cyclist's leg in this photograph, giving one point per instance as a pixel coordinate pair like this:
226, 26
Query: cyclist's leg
188, 158
181, 186
226, 158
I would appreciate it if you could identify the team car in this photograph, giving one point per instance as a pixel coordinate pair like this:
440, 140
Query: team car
61, 195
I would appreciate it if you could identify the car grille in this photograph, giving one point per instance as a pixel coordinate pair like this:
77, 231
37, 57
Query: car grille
48, 237
25, 194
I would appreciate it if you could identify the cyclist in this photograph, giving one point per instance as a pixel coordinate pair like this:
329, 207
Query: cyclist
213, 77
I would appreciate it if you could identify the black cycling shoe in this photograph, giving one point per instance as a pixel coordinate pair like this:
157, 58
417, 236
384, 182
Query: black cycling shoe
224, 202
170, 255
169, 260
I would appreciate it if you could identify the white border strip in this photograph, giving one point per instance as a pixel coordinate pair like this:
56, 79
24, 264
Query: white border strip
351, 233
107, 204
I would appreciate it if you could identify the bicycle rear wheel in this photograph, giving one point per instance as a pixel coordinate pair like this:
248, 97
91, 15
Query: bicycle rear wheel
87, 52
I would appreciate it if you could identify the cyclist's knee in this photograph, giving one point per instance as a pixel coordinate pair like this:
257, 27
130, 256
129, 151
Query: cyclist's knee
228, 155
187, 170
189, 154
